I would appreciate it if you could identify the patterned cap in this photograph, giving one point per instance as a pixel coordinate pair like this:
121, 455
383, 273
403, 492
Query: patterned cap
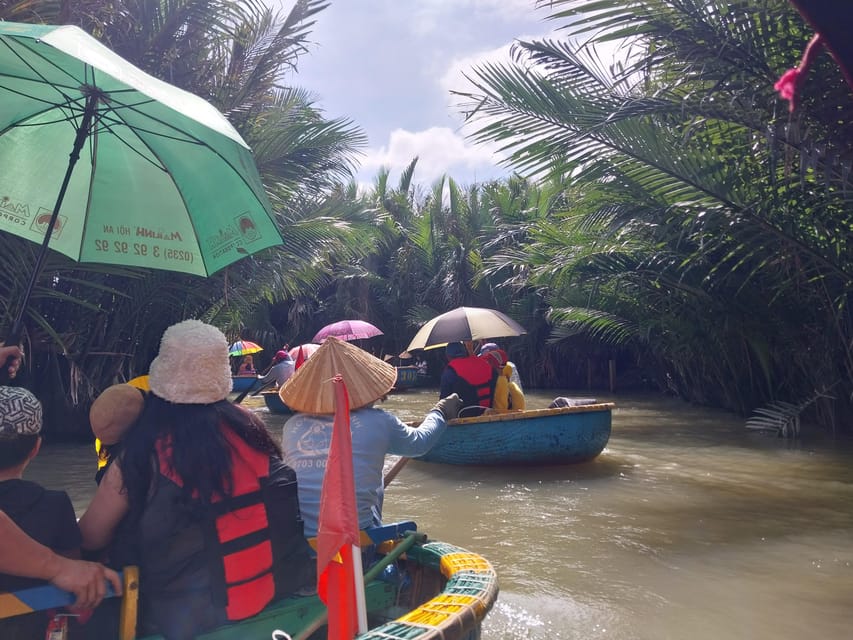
20, 413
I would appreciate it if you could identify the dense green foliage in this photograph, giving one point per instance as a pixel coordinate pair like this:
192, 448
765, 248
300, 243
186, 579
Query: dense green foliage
708, 227
673, 216
90, 325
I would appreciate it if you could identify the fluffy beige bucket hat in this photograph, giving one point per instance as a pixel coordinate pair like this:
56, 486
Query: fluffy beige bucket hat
310, 389
192, 365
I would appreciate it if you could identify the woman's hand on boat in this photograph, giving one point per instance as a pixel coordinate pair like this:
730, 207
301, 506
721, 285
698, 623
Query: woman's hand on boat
86, 580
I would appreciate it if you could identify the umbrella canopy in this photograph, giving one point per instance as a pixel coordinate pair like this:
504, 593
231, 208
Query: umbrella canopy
462, 324
307, 349
244, 348
164, 181
347, 330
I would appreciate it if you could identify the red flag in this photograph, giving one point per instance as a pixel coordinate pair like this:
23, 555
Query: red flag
338, 531
300, 360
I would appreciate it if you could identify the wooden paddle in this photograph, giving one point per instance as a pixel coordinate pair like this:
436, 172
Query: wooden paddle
393, 471
254, 390
398, 466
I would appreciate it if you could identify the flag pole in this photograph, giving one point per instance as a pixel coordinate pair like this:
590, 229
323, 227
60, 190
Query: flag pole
340, 581
360, 599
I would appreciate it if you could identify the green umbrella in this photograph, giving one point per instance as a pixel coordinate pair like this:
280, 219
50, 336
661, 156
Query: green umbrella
163, 179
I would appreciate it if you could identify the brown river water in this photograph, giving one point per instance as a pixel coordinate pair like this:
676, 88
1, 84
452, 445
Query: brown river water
686, 527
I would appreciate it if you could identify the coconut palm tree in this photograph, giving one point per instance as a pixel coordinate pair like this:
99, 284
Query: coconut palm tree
713, 224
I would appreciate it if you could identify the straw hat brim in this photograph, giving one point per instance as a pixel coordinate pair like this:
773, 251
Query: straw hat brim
114, 411
310, 389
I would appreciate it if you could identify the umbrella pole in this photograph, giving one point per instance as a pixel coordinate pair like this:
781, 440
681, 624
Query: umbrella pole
14, 336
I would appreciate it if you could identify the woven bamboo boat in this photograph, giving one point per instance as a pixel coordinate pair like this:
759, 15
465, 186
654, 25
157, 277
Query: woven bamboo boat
564, 435
421, 589
274, 403
242, 383
407, 377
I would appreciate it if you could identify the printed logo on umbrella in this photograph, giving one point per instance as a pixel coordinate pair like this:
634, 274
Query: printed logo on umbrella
247, 227
43, 219
14, 211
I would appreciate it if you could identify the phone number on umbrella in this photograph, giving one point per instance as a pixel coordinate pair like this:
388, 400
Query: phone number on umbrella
143, 250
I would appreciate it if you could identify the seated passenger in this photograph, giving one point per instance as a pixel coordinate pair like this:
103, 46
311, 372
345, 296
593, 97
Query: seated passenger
491, 346
199, 497
247, 367
45, 515
467, 375
375, 432
282, 368
508, 395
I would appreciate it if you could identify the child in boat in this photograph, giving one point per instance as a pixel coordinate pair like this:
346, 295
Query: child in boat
508, 395
112, 414
491, 346
45, 515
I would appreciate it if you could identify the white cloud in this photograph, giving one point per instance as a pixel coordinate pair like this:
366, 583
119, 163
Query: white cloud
443, 150
506, 9
439, 150
392, 73
453, 78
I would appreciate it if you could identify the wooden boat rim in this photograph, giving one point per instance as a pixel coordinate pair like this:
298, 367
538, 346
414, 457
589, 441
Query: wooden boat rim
532, 413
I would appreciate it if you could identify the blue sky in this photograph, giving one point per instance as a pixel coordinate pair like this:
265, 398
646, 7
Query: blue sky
388, 65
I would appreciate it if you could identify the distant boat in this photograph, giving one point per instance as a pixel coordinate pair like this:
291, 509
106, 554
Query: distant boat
274, 403
409, 377
242, 383
563, 435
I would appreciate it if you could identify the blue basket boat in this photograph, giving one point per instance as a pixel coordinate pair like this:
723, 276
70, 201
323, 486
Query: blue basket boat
239, 384
564, 435
274, 403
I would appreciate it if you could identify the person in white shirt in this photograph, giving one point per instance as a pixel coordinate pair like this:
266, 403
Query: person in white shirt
282, 368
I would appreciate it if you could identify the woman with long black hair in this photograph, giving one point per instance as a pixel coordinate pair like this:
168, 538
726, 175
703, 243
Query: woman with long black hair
199, 498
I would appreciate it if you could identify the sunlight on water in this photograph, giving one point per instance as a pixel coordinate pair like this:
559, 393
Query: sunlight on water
688, 526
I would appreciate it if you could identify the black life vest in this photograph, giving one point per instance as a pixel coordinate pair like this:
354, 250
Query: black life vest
475, 381
202, 567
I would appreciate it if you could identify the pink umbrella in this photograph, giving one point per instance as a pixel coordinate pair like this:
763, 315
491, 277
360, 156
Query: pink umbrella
347, 330
307, 349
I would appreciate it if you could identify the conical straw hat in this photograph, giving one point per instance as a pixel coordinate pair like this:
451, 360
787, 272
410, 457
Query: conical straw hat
310, 389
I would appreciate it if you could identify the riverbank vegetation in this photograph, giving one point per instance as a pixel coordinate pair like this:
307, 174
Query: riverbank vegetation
667, 212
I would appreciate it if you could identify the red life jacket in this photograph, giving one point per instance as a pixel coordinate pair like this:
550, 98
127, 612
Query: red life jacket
475, 381
248, 548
